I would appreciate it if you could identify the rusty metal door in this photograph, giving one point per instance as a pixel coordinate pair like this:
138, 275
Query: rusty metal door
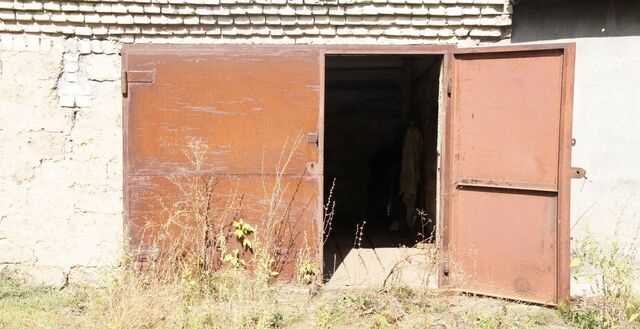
506, 229
250, 112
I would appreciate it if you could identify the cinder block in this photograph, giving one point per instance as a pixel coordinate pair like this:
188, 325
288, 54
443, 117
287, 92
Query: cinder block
84, 46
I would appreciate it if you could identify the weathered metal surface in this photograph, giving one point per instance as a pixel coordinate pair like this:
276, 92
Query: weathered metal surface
248, 105
504, 231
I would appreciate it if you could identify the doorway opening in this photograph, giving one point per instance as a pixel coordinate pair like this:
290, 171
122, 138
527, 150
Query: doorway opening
381, 158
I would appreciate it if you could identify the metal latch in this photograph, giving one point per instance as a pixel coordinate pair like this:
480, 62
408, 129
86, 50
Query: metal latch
312, 138
135, 77
577, 172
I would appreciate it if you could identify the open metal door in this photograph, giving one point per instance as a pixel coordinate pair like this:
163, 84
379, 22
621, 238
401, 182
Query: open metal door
507, 191
246, 107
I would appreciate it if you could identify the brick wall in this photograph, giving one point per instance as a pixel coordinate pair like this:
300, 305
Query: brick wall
262, 21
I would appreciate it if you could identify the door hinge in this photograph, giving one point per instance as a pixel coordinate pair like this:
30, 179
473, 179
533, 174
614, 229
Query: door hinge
449, 87
135, 77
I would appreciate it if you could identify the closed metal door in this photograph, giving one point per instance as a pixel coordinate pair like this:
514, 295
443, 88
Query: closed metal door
248, 105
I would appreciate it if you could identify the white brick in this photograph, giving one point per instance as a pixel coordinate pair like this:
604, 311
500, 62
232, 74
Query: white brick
192, 20
207, 20
353, 20
333, 20
168, 10
287, 11
158, 19
319, 10
75, 17
84, 47
204, 11
337, 11
303, 10
257, 19
108, 19
471, 11
109, 47
86, 7
252, 10
135, 9
437, 11
186, 11
31, 28
24, 16
96, 46
7, 15
49, 28
419, 21
42, 17
141, 19
152, 9
7, 4
487, 32
304, 20
462, 32
34, 5
124, 19
471, 21
288, 20
69, 6
132, 30
321, 20
174, 20
92, 18
114, 30
100, 30
83, 30
103, 8
241, 20
221, 11
403, 20
223, 20
273, 20
387, 10
488, 10
454, 11
50, 5
57, 17
403, 10
119, 8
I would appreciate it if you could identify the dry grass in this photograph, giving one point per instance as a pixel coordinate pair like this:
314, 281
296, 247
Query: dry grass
233, 300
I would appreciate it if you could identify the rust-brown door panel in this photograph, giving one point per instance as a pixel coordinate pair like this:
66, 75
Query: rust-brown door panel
249, 105
506, 214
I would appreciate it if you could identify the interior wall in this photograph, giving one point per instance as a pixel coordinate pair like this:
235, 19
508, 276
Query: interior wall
425, 96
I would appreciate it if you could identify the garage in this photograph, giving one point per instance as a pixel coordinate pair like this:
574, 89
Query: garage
493, 125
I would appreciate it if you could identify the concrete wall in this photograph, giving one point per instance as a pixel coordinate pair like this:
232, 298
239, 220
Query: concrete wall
60, 160
606, 110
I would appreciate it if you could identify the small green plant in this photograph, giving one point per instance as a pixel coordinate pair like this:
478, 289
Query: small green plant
276, 320
307, 272
609, 265
242, 233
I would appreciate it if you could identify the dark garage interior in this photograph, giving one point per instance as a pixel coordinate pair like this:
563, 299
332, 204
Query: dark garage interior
380, 151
